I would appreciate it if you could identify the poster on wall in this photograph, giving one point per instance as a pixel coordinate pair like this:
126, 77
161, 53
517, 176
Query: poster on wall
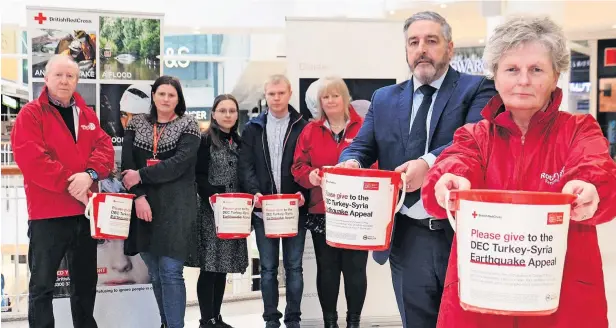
72, 33
119, 102
113, 268
607, 95
130, 48
118, 55
361, 91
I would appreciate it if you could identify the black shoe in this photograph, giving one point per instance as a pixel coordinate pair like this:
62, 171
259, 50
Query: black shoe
330, 320
292, 324
272, 324
353, 320
208, 323
221, 324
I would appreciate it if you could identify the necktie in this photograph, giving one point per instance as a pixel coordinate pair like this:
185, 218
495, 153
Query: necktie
419, 135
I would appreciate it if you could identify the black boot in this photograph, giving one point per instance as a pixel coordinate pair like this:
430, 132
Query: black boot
208, 323
221, 324
353, 320
330, 320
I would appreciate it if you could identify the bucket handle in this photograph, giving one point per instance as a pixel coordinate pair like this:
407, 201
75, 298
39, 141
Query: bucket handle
450, 217
89, 206
209, 199
402, 194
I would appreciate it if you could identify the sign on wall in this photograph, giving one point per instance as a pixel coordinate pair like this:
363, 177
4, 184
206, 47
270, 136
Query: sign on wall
118, 55
468, 60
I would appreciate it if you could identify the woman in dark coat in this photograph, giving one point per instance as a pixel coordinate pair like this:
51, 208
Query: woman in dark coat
216, 173
159, 153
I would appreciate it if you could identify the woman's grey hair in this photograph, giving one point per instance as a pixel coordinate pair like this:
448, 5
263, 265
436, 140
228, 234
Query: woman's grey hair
519, 30
431, 16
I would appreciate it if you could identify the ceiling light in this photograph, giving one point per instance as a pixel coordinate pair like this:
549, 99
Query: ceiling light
443, 5
391, 12
481, 40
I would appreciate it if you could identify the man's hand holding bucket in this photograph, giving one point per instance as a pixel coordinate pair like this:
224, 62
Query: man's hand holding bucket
587, 200
350, 164
446, 183
416, 171
79, 185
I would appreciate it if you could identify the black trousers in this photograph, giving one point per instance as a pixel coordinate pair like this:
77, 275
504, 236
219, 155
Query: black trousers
418, 260
50, 241
210, 291
331, 262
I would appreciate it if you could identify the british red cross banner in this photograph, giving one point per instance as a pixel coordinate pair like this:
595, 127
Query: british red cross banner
116, 52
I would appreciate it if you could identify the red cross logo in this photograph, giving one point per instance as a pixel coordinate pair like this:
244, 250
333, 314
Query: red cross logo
474, 215
40, 18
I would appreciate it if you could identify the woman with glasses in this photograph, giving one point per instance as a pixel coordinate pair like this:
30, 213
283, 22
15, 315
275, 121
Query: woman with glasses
216, 173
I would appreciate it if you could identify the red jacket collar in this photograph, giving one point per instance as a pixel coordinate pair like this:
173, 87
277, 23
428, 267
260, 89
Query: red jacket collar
79, 101
495, 112
353, 118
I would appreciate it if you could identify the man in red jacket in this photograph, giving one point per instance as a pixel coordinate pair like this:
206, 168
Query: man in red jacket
61, 150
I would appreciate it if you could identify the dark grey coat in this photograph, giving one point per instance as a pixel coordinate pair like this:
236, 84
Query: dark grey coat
169, 185
216, 173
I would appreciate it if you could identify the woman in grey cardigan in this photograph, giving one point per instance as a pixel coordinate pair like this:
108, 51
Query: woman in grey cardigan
159, 153
216, 173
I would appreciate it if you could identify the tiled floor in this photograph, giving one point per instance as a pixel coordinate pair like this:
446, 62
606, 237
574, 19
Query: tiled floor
243, 314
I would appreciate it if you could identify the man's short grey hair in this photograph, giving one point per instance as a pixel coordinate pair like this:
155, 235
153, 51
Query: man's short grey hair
431, 16
58, 58
519, 30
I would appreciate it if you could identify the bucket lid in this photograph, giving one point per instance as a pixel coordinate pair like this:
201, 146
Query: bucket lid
370, 173
235, 195
513, 197
280, 196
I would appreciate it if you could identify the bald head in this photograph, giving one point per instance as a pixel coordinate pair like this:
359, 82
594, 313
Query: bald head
61, 76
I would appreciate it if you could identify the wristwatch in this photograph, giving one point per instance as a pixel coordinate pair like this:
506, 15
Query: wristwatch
93, 175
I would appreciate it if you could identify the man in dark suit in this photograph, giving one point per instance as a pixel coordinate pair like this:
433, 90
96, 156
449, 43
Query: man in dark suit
407, 126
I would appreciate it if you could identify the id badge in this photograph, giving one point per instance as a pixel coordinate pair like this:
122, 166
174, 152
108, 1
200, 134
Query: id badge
152, 161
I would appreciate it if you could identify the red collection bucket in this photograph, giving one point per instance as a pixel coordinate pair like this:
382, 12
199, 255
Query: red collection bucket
511, 249
232, 214
360, 205
109, 215
280, 215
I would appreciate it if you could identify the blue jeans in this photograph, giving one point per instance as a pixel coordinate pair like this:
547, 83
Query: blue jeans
166, 275
292, 253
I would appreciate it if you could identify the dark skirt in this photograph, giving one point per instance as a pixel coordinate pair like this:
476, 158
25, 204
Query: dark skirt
211, 253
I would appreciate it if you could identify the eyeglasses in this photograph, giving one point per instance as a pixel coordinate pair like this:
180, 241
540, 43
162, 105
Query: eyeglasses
226, 111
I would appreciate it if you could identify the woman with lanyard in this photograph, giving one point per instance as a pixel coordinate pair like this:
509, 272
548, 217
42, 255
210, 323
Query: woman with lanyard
320, 144
159, 154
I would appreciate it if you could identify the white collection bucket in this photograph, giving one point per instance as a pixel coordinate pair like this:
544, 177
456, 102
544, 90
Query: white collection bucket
511, 250
109, 215
232, 214
360, 205
280, 215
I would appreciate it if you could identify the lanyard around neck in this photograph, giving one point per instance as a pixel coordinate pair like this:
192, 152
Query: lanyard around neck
158, 135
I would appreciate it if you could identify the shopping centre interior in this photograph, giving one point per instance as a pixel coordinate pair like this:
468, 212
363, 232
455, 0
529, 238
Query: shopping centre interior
232, 46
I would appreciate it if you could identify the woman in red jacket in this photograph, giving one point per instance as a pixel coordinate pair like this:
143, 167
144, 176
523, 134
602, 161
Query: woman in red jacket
526, 143
320, 144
